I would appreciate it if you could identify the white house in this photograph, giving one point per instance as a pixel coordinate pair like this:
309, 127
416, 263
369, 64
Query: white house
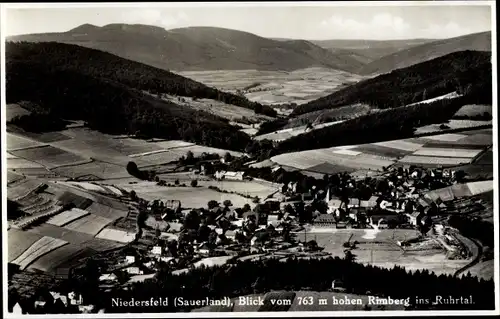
134, 271
229, 175
130, 259
204, 249
157, 250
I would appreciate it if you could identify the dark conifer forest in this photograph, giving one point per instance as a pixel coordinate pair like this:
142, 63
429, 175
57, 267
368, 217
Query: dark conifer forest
311, 274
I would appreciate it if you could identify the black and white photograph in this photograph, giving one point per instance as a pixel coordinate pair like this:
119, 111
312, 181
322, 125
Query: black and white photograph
258, 159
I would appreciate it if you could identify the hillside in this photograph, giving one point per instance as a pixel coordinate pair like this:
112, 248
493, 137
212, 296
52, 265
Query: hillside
427, 51
369, 49
198, 48
107, 92
458, 71
132, 74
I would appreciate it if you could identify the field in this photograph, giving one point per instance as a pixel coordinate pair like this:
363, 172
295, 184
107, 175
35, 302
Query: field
337, 114
474, 110
63, 257
284, 134
273, 87
380, 249
90, 224
452, 125
13, 177
41, 247
22, 188
227, 111
17, 142
116, 235
60, 256
21, 163
429, 151
106, 211
252, 188
49, 156
100, 170
18, 241
67, 217
190, 197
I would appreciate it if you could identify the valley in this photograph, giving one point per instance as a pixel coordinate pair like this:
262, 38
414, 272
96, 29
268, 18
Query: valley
204, 161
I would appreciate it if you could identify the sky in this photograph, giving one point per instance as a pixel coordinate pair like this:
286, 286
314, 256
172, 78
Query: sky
373, 22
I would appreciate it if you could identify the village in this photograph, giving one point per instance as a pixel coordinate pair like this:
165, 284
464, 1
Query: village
169, 237
166, 237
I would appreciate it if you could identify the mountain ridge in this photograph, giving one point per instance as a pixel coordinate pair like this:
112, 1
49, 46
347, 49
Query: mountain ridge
198, 48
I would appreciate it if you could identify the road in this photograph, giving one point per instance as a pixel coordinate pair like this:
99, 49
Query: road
477, 252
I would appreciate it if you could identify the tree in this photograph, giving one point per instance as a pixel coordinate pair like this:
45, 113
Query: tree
227, 203
192, 220
246, 208
212, 204
349, 256
194, 183
176, 182
189, 157
132, 168
133, 195
228, 157
172, 248
203, 233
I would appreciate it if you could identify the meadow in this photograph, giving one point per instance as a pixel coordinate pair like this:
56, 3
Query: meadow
380, 248
190, 197
275, 87
429, 151
227, 111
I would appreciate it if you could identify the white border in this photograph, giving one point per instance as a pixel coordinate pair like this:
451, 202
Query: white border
259, 4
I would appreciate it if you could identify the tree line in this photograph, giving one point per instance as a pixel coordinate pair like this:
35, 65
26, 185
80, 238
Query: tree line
259, 276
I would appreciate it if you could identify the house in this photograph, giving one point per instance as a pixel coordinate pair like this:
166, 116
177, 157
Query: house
426, 220
273, 220
229, 175
204, 249
333, 205
370, 203
324, 220
133, 271
415, 217
230, 234
130, 259
157, 250
173, 204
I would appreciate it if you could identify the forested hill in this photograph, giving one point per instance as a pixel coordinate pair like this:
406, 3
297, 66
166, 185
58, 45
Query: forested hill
458, 71
427, 51
68, 82
198, 48
98, 64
